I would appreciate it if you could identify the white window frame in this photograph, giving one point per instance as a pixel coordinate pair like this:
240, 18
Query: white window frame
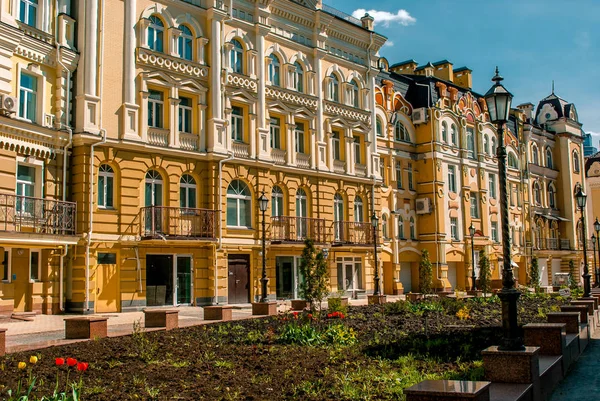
475, 212
357, 155
154, 178
452, 179
156, 119
274, 70
412, 228
549, 158
494, 231
399, 175
299, 137
8, 260
277, 202
298, 77
454, 228
237, 124
359, 210
238, 197
106, 175
22, 206
335, 144
444, 132
158, 30
275, 132
186, 187
576, 163
400, 226
38, 267
551, 196
453, 135
28, 5
29, 97
334, 88
237, 56
492, 185
471, 145
182, 40
185, 115
410, 177
379, 127
384, 227
401, 133
354, 100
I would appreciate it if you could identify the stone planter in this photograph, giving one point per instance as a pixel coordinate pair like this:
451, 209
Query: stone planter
167, 318
377, 299
264, 308
343, 301
217, 312
414, 296
299, 305
2, 342
89, 327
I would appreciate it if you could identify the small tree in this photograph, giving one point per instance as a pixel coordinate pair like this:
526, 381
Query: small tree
485, 273
534, 274
313, 268
425, 273
572, 280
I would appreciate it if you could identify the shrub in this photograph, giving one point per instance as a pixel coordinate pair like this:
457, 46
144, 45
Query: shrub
396, 308
534, 274
339, 335
485, 274
313, 268
144, 347
425, 273
335, 305
573, 282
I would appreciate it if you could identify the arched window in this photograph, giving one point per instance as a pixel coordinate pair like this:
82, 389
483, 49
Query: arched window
444, 132
106, 177
453, 135
549, 162
301, 213
486, 144
156, 31
413, 233
512, 160
187, 192
298, 77
400, 227
185, 43
535, 157
239, 205
576, 161
379, 127
338, 215
401, 133
274, 68
334, 88
358, 209
237, 57
153, 189
551, 196
354, 94
384, 226
276, 202
537, 193
471, 143
493, 146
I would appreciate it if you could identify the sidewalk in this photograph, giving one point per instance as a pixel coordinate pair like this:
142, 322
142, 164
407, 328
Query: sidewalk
583, 380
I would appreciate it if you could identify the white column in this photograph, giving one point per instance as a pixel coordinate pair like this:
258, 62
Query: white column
129, 53
215, 69
90, 48
372, 150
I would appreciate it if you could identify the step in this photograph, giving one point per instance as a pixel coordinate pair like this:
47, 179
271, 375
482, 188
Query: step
551, 373
511, 392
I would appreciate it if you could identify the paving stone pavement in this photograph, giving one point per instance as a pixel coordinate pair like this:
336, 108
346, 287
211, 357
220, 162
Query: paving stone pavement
583, 380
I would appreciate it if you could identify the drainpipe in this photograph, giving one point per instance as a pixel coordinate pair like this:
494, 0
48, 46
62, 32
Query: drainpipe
91, 220
220, 247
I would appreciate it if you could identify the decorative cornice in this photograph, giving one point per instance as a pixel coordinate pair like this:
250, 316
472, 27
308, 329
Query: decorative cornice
351, 113
292, 97
241, 81
173, 64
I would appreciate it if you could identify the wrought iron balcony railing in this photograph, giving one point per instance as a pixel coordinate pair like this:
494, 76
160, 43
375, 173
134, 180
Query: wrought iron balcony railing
352, 232
36, 215
178, 223
297, 229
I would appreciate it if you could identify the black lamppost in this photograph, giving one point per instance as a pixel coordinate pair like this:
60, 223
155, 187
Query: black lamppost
594, 252
263, 204
375, 223
498, 101
472, 232
597, 228
581, 198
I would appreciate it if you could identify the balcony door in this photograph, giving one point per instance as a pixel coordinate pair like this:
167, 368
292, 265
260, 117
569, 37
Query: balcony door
349, 274
338, 216
301, 214
153, 194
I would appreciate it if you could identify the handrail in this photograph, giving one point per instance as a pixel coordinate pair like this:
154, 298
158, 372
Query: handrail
20, 213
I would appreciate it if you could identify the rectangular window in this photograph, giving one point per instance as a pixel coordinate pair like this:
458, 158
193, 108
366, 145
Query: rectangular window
28, 97
105, 187
512, 194
409, 171
25, 189
454, 228
299, 136
452, 179
357, 156
28, 11
492, 185
399, 175
107, 258
474, 205
155, 109
237, 124
335, 143
34, 265
471, 143
6, 265
185, 114
382, 172
275, 130
494, 231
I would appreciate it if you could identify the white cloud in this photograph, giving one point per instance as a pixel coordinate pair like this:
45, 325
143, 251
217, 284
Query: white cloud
388, 43
386, 18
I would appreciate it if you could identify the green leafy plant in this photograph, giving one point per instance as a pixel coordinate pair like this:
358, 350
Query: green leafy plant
300, 334
573, 284
425, 273
313, 267
485, 273
145, 348
534, 274
335, 305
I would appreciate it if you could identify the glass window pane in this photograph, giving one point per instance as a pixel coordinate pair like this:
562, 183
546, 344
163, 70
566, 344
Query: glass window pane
34, 265
101, 188
232, 212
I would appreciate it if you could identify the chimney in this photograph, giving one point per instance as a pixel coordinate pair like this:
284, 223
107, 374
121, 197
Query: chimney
443, 70
426, 70
463, 78
527, 109
368, 22
405, 67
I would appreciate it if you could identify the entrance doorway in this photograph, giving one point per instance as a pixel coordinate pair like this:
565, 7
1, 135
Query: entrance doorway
168, 280
239, 279
349, 274
288, 277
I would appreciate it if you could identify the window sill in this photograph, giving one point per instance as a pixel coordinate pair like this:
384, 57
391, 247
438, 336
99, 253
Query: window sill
6, 281
239, 228
106, 209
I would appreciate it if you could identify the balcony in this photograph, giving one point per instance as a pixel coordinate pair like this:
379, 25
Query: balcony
552, 244
352, 233
36, 215
339, 166
297, 229
241, 150
188, 141
302, 160
361, 170
178, 223
158, 137
278, 156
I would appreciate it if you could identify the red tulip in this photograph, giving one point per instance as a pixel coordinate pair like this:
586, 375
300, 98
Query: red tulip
309, 316
82, 366
71, 361
60, 361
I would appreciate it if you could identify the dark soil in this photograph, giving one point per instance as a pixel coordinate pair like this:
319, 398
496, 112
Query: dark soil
245, 360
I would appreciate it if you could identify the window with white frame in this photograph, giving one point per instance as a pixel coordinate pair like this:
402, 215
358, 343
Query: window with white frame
379, 127
454, 228
453, 135
535, 155
399, 175
472, 154
475, 205
276, 201
237, 124
551, 196
335, 143
156, 31
537, 193
494, 233
401, 133
187, 192
334, 88
6, 265
275, 132
413, 232
549, 161
239, 205
512, 160
384, 226
452, 179
106, 177
185, 43
444, 132
25, 189
28, 94
35, 261
382, 172
302, 213
185, 114
357, 155
338, 216
155, 109
486, 144
358, 209
400, 227
299, 137
354, 94
493, 147
28, 10
409, 173
576, 161
492, 185
237, 57
298, 77
274, 70
153, 189
512, 194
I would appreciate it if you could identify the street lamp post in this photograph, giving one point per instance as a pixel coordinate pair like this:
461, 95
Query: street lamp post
472, 232
597, 271
498, 101
375, 223
581, 198
594, 252
263, 203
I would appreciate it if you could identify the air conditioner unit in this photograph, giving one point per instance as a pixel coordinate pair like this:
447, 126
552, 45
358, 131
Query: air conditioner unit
8, 104
423, 205
419, 116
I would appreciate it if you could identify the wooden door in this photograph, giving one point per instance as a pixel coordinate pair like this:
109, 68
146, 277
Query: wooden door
107, 288
239, 279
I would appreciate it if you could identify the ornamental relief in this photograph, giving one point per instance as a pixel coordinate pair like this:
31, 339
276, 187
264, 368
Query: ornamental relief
163, 61
350, 113
292, 97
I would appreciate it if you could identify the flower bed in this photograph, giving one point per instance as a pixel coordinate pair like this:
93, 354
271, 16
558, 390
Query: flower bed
370, 352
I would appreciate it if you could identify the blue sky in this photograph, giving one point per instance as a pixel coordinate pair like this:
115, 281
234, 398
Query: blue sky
532, 41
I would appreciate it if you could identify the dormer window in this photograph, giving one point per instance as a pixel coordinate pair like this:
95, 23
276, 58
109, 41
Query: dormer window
155, 34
